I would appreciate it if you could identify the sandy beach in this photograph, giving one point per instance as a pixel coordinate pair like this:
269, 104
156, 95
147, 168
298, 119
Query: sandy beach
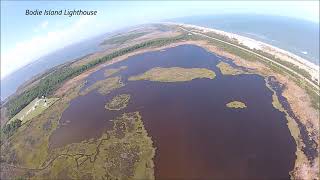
312, 68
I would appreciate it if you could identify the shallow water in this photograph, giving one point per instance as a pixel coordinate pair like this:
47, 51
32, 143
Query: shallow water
310, 145
195, 134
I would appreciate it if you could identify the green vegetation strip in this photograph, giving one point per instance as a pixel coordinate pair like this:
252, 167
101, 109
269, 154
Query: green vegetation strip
236, 105
52, 81
105, 86
235, 42
290, 65
119, 102
227, 69
312, 92
276, 68
120, 39
10, 128
294, 130
112, 71
174, 74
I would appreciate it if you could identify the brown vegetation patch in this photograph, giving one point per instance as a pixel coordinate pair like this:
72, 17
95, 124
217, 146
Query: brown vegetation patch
105, 86
112, 71
236, 105
174, 74
227, 69
118, 102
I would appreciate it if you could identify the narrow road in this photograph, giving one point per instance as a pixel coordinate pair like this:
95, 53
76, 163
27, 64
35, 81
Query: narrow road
244, 49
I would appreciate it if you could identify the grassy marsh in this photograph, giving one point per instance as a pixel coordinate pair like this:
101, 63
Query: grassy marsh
236, 104
125, 152
105, 86
58, 166
295, 133
111, 71
118, 102
227, 69
119, 39
174, 74
28, 149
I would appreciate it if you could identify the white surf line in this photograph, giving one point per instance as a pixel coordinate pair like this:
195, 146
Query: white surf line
307, 80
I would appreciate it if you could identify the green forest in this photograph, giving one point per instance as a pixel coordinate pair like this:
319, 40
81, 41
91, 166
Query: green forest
52, 81
10, 128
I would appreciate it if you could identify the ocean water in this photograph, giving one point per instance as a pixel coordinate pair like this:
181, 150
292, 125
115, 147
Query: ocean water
10, 83
297, 36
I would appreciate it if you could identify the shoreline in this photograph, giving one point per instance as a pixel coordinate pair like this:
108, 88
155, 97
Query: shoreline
300, 104
296, 96
312, 68
303, 168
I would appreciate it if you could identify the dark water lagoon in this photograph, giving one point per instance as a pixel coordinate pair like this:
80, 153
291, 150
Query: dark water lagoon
195, 134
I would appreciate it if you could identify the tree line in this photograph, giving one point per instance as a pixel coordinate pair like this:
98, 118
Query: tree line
48, 84
10, 128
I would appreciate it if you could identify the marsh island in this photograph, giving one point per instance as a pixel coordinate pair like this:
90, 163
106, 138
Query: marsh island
118, 102
236, 104
139, 110
174, 74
